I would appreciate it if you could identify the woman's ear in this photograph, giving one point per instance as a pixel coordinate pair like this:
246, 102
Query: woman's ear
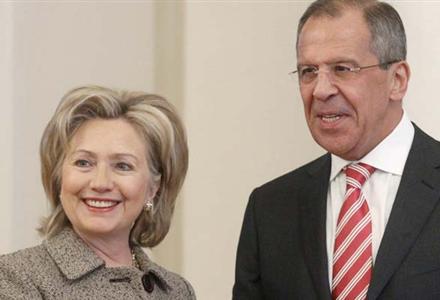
154, 188
399, 82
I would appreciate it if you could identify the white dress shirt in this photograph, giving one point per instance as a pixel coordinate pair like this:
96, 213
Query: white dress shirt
389, 158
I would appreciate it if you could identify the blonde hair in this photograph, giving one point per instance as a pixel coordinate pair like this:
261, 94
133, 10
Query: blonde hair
153, 117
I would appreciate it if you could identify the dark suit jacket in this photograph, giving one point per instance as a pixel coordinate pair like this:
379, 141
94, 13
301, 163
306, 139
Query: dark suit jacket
282, 248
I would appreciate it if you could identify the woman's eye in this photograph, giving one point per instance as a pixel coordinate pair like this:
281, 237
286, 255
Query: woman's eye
82, 163
124, 166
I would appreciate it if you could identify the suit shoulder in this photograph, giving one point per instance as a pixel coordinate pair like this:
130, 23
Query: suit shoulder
297, 177
17, 271
24, 258
423, 139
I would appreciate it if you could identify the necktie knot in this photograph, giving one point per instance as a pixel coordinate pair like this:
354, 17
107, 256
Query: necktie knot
358, 173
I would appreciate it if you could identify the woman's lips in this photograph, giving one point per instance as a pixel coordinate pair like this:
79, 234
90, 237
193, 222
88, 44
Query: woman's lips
100, 204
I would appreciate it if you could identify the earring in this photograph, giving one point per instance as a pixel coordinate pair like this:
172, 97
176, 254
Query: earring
148, 205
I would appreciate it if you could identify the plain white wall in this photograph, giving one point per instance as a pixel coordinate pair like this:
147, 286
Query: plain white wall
423, 26
225, 65
6, 126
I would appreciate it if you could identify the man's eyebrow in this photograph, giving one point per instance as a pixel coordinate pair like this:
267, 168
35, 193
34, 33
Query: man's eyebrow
336, 60
345, 60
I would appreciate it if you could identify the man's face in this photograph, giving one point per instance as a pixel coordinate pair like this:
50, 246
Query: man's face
346, 117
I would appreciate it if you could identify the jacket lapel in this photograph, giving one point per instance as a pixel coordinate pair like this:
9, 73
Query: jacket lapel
72, 256
417, 195
313, 223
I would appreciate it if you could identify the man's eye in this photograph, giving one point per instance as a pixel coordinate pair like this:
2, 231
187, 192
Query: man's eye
342, 68
82, 163
307, 71
124, 166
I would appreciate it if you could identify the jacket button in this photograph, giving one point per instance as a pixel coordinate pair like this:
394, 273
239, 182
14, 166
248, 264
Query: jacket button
147, 283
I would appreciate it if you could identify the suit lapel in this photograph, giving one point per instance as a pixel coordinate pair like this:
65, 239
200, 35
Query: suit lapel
417, 195
313, 223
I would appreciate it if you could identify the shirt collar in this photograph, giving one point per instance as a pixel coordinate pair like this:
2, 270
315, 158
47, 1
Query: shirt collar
389, 155
75, 259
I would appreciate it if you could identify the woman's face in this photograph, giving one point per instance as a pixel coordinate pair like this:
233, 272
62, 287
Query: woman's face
105, 179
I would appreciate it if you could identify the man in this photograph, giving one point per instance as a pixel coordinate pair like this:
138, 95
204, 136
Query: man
362, 221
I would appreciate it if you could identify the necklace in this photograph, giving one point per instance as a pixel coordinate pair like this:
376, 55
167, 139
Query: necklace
134, 261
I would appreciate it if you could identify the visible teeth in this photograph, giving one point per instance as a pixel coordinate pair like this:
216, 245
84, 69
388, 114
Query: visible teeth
100, 203
331, 118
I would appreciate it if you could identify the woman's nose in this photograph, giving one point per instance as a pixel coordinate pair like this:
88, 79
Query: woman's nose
102, 179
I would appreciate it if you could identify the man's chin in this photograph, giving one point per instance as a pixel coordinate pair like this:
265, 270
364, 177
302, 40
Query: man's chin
338, 146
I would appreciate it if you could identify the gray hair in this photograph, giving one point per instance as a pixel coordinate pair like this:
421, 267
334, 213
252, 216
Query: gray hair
167, 152
388, 39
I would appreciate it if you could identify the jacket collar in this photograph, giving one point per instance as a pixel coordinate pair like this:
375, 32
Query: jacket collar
75, 259
416, 199
72, 256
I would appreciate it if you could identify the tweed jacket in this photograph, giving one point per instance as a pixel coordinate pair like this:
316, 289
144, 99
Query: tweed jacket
64, 267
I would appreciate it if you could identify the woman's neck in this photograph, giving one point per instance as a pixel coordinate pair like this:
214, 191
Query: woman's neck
114, 251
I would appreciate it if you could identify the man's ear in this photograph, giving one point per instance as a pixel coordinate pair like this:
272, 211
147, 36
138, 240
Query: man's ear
399, 82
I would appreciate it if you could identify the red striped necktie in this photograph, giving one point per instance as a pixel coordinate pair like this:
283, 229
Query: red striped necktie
352, 256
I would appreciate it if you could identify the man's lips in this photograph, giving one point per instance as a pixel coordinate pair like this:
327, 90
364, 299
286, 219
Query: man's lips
330, 117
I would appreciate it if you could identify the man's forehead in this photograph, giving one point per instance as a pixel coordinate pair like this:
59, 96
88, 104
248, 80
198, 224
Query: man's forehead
348, 32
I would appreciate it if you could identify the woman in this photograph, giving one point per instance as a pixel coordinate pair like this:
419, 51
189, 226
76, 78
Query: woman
112, 166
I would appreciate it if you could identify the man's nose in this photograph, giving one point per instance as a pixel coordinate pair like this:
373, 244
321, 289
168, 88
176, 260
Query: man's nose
324, 87
102, 179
